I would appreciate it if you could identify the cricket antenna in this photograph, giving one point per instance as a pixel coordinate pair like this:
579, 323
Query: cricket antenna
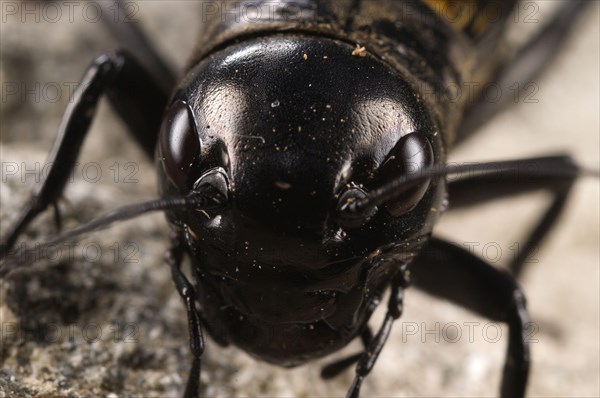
560, 166
197, 200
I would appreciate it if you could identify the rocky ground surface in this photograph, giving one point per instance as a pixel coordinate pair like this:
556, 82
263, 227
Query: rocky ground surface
106, 321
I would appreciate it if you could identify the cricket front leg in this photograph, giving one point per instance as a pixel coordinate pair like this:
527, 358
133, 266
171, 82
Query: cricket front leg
451, 272
133, 93
187, 291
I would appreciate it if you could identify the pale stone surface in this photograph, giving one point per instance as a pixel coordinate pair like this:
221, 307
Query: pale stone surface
143, 349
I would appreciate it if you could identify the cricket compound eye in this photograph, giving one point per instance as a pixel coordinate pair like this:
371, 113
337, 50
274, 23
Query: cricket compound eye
410, 155
179, 144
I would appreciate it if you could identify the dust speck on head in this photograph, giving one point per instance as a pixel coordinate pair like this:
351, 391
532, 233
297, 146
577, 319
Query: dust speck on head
359, 51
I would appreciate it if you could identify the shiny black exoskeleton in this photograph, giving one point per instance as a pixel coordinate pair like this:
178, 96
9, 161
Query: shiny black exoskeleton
301, 162
288, 128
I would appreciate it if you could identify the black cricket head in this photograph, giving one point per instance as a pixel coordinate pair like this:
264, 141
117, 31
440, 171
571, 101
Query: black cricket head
290, 134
